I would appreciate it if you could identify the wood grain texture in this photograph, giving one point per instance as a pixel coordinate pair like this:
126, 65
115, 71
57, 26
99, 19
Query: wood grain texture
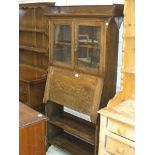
89, 11
33, 53
32, 86
83, 88
116, 147
117, 129
128, 61
70, 91
78, 128
31, 132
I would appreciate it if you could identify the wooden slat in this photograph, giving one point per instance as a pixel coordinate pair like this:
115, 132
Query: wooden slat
39, 50
32, 30
86, 11
86, 45
74, 127
72, 145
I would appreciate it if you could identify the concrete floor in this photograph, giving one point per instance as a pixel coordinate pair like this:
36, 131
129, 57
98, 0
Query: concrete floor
52, 150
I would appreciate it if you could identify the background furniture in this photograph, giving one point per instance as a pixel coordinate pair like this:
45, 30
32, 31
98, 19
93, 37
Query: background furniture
33, 53
32, 131
82, 73
117, 129
127, 93
128, 65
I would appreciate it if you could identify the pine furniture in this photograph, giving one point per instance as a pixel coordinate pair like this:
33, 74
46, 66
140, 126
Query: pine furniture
83, 46
123, 141
33, 53
117, 129
32, 131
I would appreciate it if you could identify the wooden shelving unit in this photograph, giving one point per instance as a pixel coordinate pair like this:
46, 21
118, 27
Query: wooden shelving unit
33, 53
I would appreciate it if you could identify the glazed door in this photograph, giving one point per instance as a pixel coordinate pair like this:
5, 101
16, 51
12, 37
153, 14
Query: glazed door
61, 43
88, 46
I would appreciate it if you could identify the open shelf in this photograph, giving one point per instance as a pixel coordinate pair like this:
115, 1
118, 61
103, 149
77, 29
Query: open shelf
38, 50
72, 145
89, 45
30, 73
32, 30
78, 128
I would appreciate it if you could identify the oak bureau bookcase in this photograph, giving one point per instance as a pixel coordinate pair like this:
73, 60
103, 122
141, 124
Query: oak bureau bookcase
33, 53
83, 48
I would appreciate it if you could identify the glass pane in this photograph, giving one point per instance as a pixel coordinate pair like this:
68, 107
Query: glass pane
88, 46
62, 43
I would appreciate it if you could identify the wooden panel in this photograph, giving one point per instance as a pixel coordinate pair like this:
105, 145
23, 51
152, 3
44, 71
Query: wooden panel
101, 11
34, 59
27, 38
31, 131
40, 18
28, 116
23, 86
35, 40
28, 73
32, 86
41, 41
121, 129
129, 53
129, 18
129, 85
36, 5
25, 18
124, 112
23, 97
37, 93
80, 92
32, 140
118, 148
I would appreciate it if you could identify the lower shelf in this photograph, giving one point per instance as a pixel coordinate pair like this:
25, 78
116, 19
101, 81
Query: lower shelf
75, 127
72, 145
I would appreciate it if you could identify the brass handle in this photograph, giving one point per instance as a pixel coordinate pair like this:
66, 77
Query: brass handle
120, 150
121, 130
